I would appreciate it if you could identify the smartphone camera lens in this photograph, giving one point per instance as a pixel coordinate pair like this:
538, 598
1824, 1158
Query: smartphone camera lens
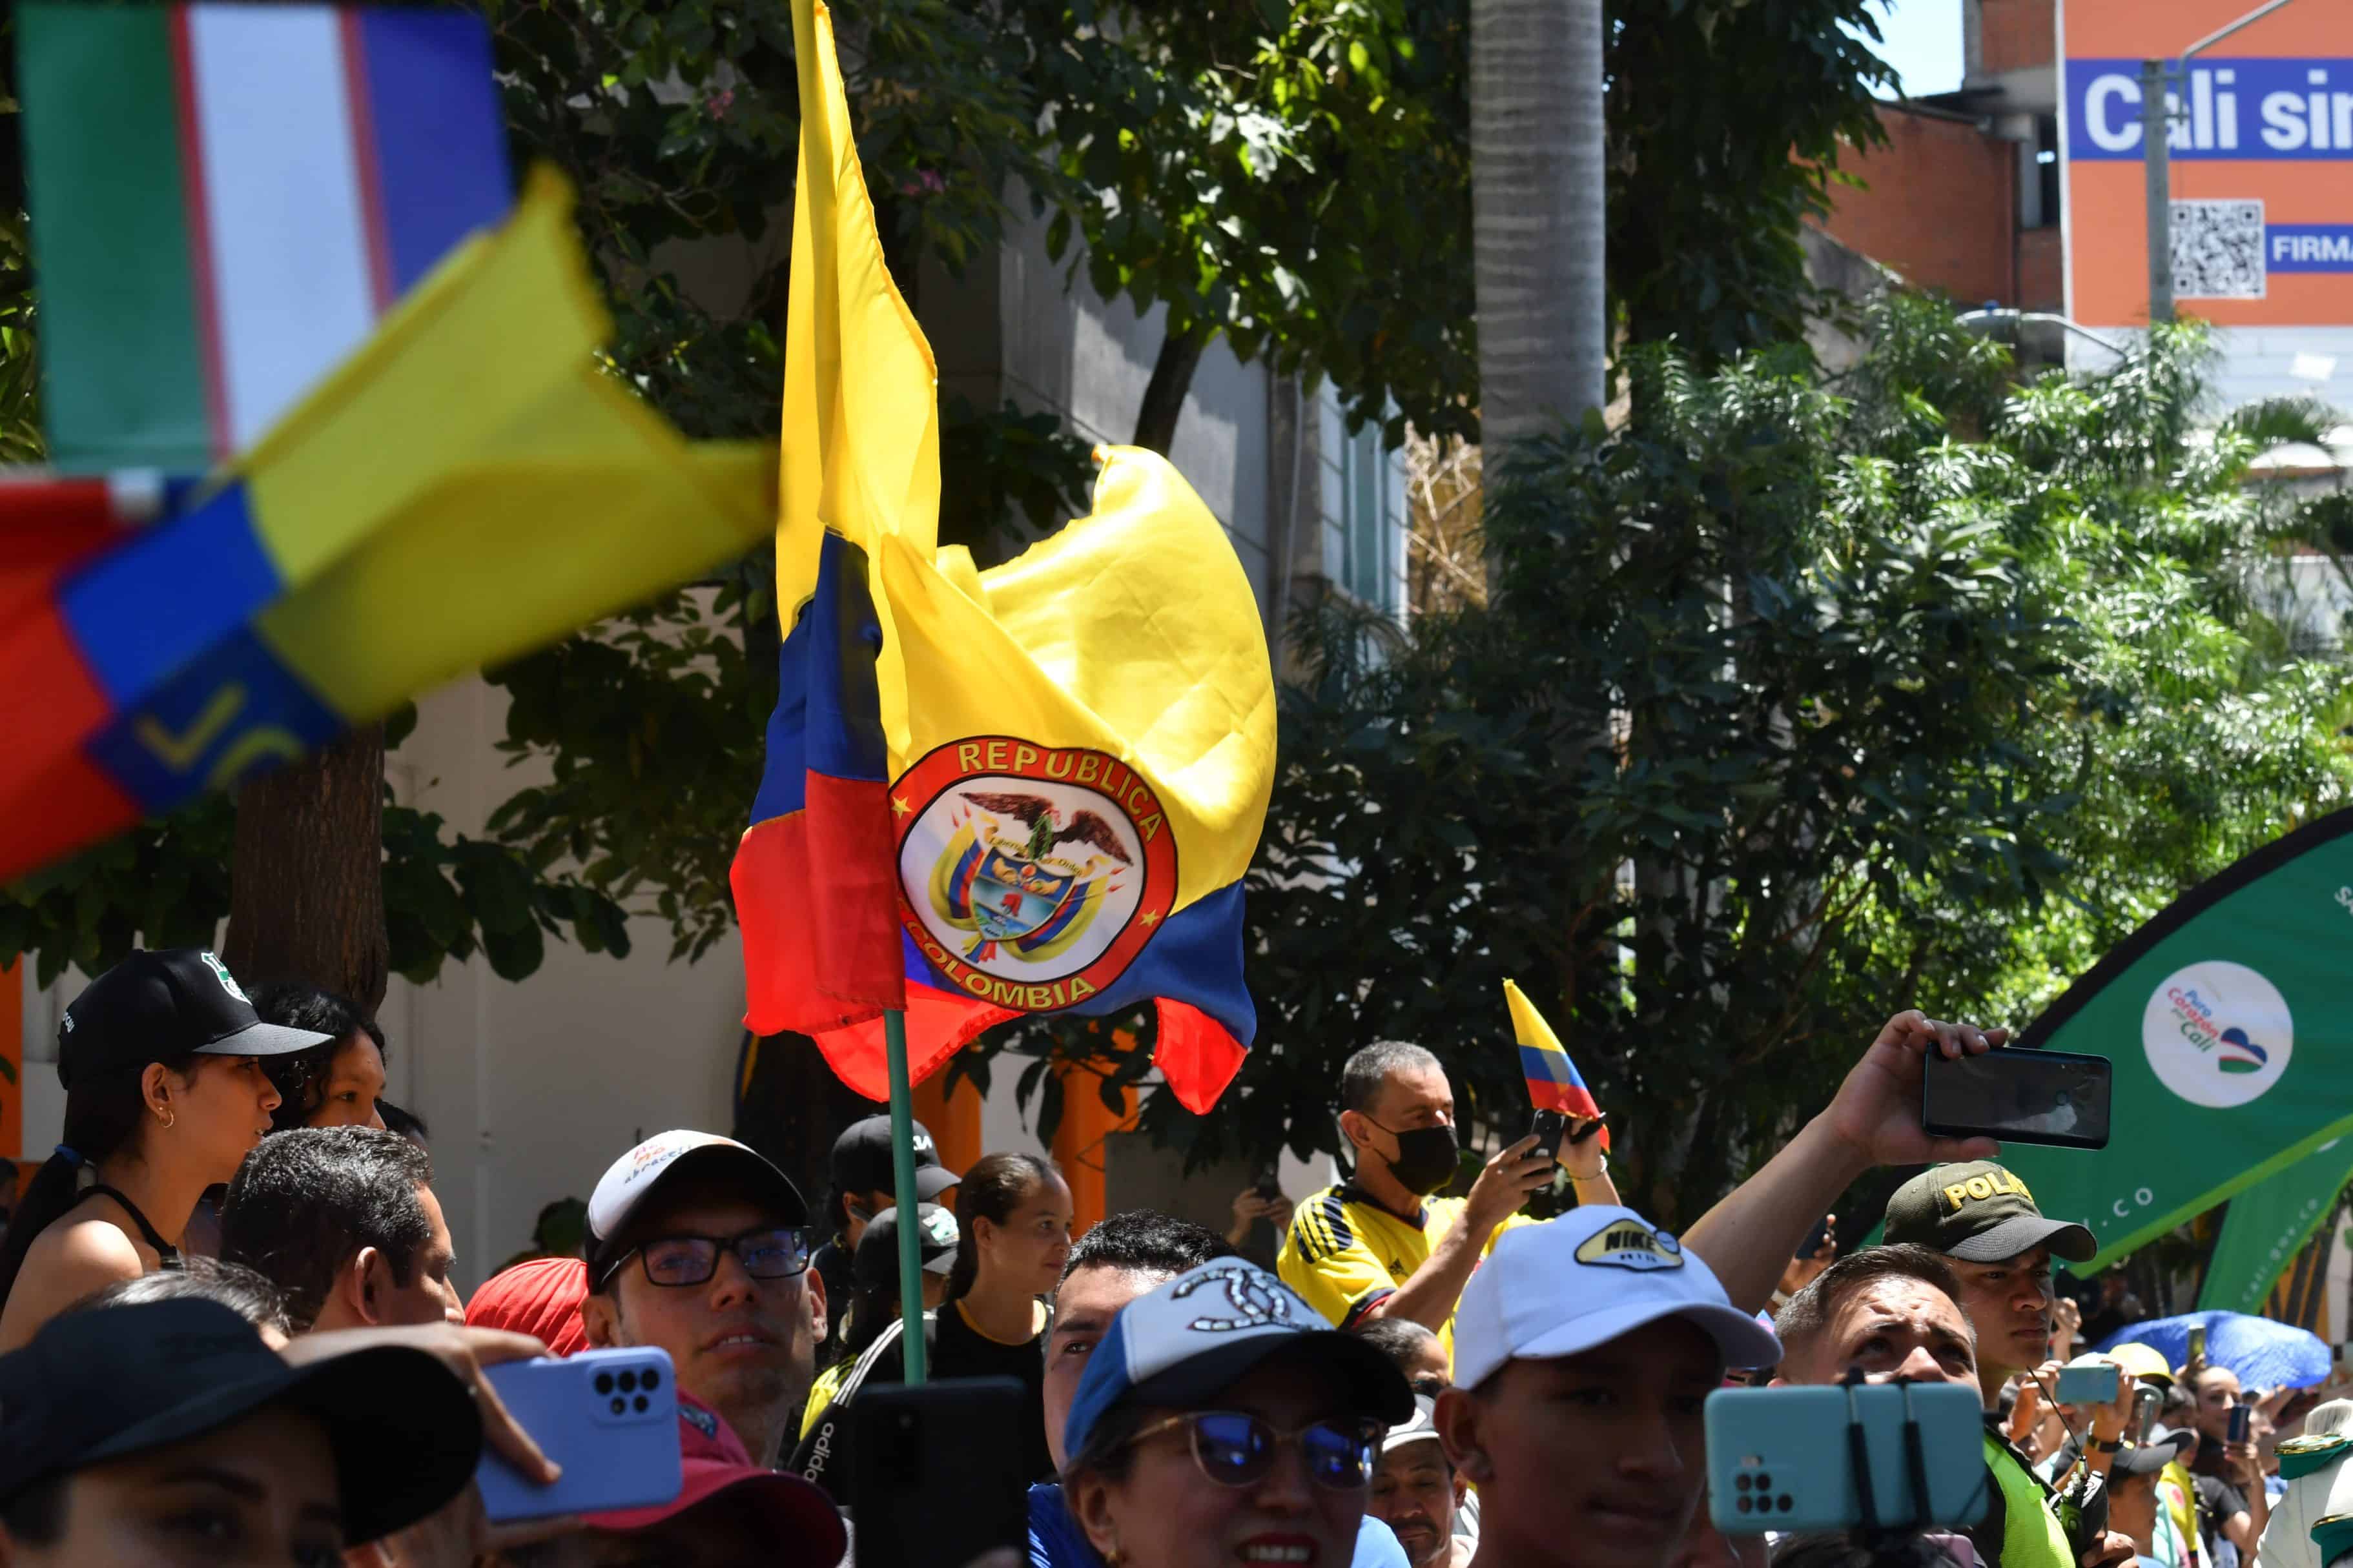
629, 1381
604, 1382
640, 1405
1787, 1502
619, 1405
1764, 1482
1744, 1502
646, 1379
1742, 1483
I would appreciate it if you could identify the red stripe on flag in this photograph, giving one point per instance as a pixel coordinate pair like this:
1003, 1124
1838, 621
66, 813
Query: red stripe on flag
817, 905
939, 1023
1195, 1054
201, 271
48, 705
66, 808
369, 165
47, 528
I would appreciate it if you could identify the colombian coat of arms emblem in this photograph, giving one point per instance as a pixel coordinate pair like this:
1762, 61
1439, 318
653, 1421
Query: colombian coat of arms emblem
1031, 875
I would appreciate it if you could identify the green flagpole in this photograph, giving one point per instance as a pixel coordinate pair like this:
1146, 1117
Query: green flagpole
903, 1171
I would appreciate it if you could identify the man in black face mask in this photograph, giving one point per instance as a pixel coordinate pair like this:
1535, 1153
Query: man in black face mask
1379, 1245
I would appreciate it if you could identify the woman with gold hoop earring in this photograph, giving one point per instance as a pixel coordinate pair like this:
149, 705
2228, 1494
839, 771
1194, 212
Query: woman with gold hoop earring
161, 1061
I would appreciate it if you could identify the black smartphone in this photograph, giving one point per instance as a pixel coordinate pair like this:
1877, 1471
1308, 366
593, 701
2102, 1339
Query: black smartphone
1814, 1240
1546, 1129
925, 1492
1267, 1185
2020, 1096
2241, 1418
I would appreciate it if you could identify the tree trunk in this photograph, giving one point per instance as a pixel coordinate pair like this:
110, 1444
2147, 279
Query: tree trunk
1163, 396
306, 893
1536, 215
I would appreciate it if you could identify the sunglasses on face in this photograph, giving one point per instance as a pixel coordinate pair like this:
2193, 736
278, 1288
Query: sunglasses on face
1234, 1448
771, 1252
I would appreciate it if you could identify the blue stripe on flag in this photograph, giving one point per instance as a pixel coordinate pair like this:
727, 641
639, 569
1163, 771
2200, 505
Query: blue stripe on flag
441, 145
141, 611
1548, 1067
234, 711
1194, 958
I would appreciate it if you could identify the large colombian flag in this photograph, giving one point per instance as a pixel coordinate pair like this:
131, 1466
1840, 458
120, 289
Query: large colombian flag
231, 197
1033, 789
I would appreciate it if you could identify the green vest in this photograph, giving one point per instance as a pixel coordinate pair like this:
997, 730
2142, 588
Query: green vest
2031, 1536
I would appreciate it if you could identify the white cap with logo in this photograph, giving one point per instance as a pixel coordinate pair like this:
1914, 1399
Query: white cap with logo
1594, 1274
632, 1179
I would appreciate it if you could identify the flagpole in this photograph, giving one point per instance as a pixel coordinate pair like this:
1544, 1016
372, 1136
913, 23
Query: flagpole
912, 1358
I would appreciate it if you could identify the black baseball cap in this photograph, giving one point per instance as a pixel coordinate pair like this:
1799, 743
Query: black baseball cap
92, 1386
1979, 1213
160, 1006
862, 1163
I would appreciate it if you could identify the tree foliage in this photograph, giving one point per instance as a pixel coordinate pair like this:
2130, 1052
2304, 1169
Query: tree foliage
1804, 702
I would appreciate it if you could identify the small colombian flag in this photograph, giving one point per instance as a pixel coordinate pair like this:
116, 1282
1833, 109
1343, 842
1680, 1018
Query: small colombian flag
1554, 1082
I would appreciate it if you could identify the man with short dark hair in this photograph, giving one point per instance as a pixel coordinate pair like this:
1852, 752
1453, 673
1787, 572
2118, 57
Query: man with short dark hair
699, 1246
861, 1183
1380, 1244
1891, 1310
342, 1220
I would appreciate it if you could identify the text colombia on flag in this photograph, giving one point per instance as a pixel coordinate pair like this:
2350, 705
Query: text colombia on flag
1078, 745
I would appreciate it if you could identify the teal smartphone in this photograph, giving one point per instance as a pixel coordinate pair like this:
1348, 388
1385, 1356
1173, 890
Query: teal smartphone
2086, 1385
1784, 1459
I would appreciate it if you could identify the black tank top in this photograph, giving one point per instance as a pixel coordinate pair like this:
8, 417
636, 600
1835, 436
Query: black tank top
164, 1250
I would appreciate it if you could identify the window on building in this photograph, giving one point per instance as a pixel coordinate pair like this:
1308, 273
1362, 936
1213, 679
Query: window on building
2045, 214
1363, 512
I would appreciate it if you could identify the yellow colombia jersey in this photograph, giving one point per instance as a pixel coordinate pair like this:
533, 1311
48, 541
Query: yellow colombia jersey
1345, 1252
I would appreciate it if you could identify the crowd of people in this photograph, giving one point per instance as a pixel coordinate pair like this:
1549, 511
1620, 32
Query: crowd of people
230, 1333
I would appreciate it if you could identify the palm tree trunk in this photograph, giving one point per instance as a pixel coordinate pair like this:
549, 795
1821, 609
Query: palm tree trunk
1536, 210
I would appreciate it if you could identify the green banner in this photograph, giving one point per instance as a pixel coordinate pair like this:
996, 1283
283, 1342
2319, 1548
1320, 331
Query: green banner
2229, 1018
2268, 1225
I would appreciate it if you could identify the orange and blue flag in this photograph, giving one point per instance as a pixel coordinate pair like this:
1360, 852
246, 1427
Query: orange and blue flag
1034, 789
1554, 1082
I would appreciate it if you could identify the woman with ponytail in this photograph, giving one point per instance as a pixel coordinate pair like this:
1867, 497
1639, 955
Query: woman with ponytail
161, 1061
1015, 1211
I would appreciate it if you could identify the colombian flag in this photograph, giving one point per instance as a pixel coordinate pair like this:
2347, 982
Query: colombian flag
1554, 1082
467, 484
1033, 789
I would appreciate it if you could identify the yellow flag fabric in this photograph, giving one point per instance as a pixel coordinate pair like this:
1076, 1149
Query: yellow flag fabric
559, 505
1133, 632
860, 452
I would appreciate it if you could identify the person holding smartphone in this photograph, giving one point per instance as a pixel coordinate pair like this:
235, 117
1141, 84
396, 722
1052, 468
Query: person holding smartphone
1381, 1244
2232, 1505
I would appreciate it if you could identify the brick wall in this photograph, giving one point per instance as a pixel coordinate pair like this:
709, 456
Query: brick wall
2041, 279
1939, 205
2014, 35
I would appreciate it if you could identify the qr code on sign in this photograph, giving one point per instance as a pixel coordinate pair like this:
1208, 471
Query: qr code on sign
2218, 250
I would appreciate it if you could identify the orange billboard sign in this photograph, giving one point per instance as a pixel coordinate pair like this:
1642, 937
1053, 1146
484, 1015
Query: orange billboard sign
2262, 152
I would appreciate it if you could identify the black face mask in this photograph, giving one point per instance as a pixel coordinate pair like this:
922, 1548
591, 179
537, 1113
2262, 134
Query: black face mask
1426, 1160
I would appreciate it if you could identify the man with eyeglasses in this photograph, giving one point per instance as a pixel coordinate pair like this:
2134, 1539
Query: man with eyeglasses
699, 1246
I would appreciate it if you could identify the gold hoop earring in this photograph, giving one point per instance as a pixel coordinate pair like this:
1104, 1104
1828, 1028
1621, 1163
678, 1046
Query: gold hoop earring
169, 1121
